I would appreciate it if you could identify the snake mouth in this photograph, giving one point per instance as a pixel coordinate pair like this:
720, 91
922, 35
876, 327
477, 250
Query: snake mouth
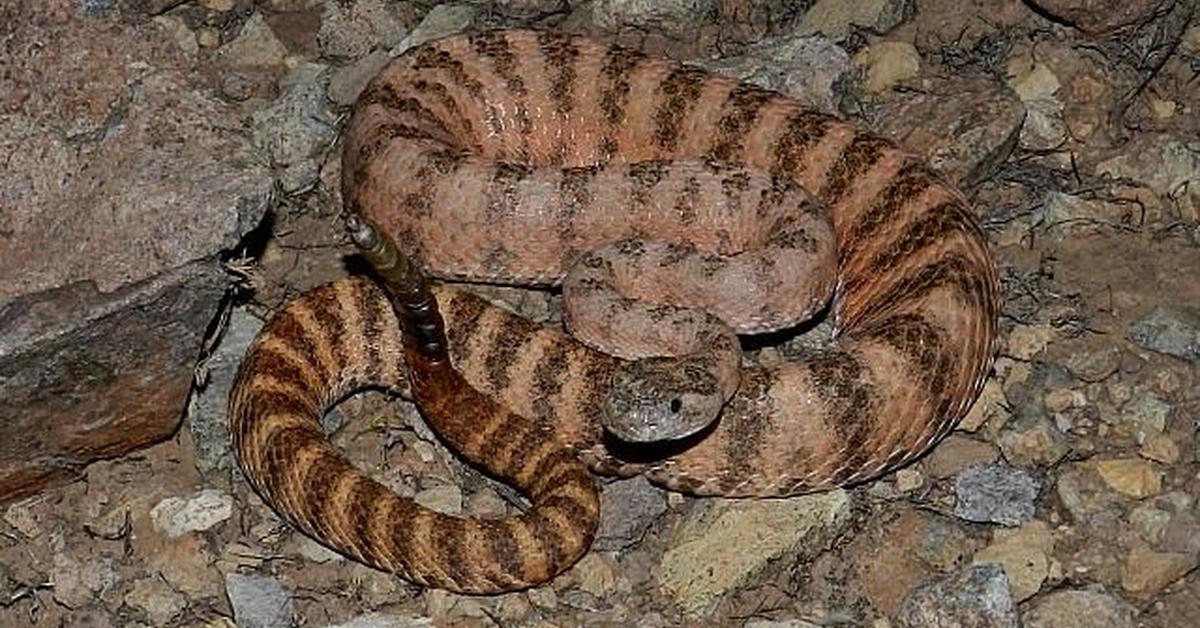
654, 424
649, 403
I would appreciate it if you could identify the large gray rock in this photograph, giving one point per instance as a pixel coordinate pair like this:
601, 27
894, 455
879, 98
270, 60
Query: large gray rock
123, 180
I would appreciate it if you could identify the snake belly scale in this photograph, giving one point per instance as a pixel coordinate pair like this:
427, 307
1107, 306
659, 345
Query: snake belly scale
512, 156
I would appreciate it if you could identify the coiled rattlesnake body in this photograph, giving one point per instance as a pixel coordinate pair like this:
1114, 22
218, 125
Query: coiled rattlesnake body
540, 158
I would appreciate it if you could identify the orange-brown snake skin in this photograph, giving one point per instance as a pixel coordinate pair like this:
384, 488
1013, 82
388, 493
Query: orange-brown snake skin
646, 189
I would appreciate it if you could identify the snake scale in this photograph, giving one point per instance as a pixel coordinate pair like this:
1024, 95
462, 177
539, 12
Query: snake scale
646, 189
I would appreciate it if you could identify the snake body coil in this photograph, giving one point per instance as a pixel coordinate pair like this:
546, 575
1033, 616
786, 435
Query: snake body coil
645, 188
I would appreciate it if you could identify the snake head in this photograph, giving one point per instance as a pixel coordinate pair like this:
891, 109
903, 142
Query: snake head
660, 399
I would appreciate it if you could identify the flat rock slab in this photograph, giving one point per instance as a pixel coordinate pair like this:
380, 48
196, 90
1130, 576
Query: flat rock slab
964, 127
123, 179
1098, 17
725, 545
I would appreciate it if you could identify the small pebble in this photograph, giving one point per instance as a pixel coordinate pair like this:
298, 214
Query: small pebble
1160, 448
977, 596
1026, 341
218, 5
157, 600
1173, 330
596, 574
627, 509
1024, 554
1095, 366
176, 516
1130, 476
1079, 609
1148, 572
258, 601
1148, 413
444, 498
996, 493
22, 517
1150, 523
1059, 399
909, 479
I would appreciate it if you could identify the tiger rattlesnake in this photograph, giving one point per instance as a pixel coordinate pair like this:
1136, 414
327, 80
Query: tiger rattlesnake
641, 186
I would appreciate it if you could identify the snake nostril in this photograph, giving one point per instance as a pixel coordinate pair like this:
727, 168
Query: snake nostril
676, 406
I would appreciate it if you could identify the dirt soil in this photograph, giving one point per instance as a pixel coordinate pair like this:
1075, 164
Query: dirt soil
1069, 497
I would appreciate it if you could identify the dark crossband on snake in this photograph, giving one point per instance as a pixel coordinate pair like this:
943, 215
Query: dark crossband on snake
676, 210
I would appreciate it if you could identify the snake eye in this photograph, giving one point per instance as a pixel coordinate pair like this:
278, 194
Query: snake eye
676, 405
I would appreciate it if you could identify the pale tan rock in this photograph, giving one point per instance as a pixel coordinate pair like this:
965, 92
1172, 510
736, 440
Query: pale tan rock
835, 19
177, 516
1147, 572
726, 544
909, 479
1038, 88
444, 498
543, 597
1033, 441
207, 37
957, 453
255, 46
991, 406
596, 574
157, 600
1160, 448
1130, 476
1079, 609
1033, 81
1060, 399
889, 63
1150, 522
1024, 554
20, 515
1026, 341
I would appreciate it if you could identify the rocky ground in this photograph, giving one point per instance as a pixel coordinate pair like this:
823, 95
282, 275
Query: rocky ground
157, 151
